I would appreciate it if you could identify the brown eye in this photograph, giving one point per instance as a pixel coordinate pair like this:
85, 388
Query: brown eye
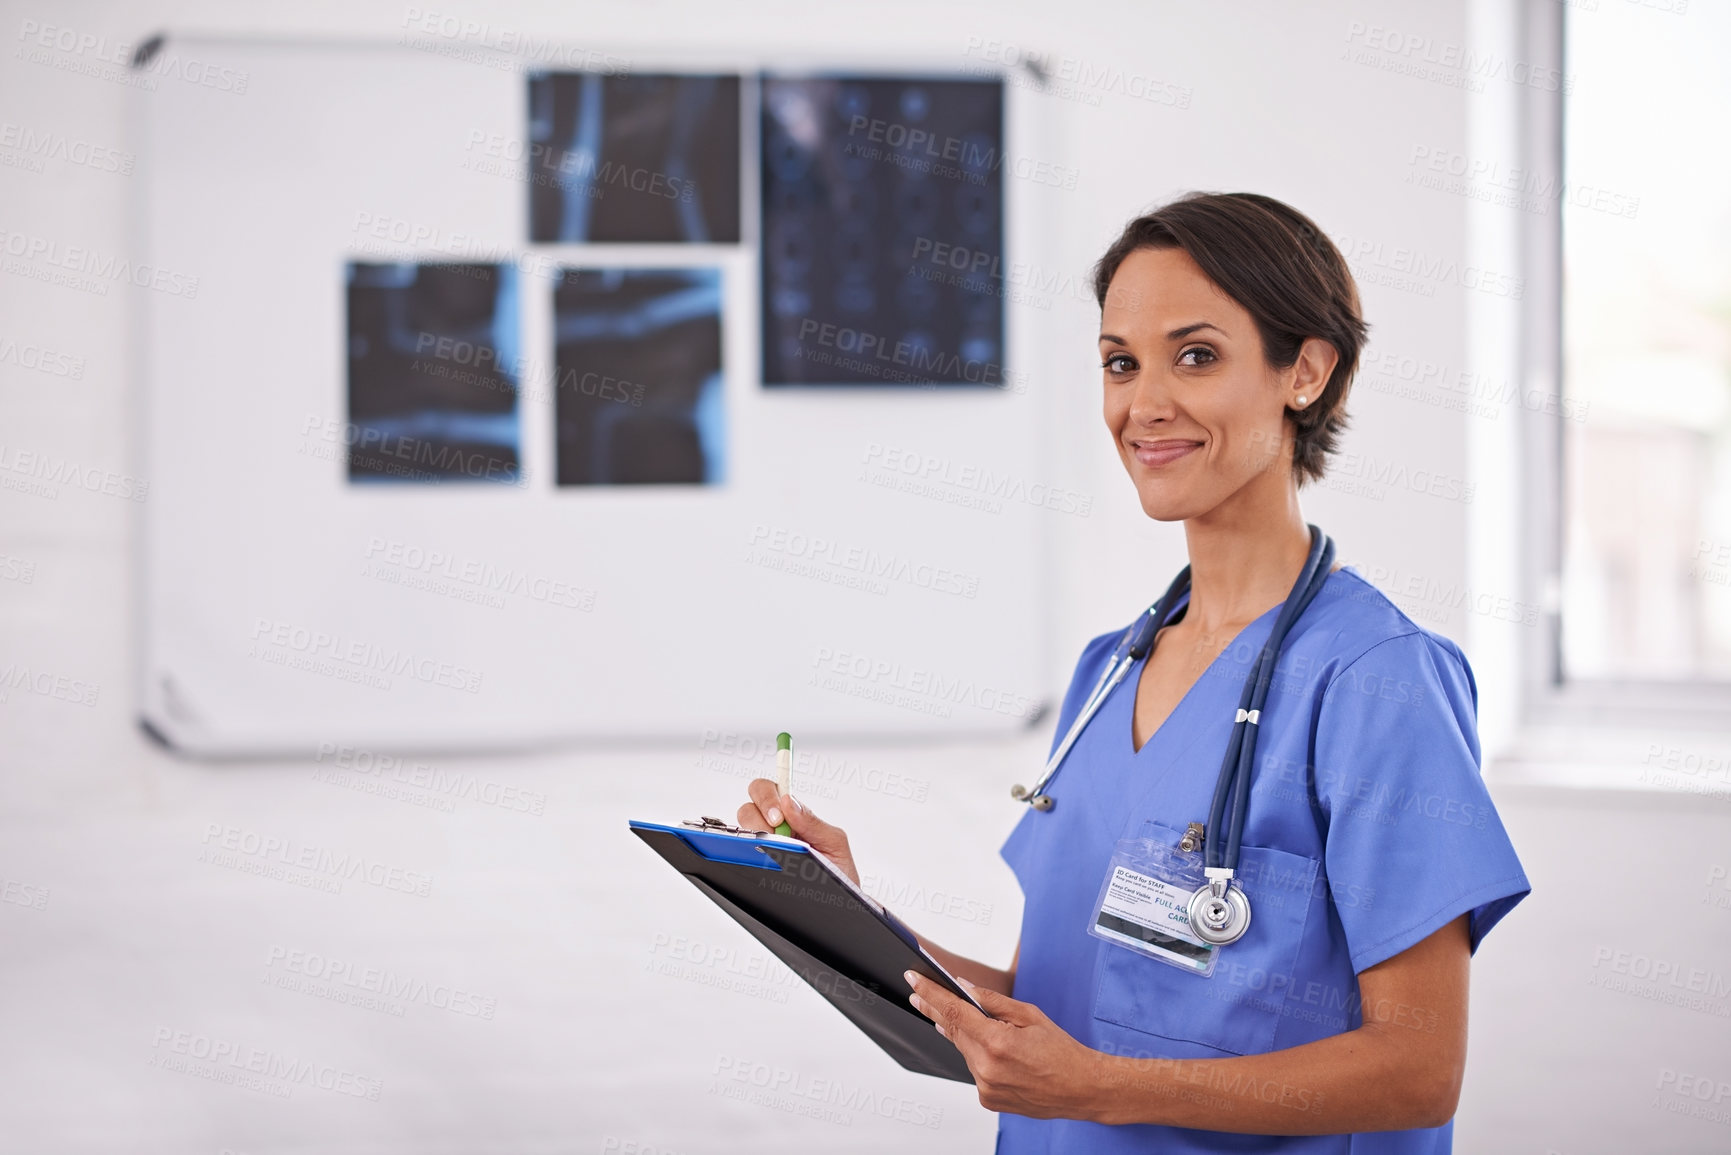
1197, 355
1118, 363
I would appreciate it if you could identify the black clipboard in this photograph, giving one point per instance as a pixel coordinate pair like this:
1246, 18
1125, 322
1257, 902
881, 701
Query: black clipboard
837, 938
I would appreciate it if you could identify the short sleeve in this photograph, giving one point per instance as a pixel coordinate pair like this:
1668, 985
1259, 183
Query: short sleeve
1408, 819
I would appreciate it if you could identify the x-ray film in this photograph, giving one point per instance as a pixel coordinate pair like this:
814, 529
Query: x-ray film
638, 367
865, 182
432, 380
622, 157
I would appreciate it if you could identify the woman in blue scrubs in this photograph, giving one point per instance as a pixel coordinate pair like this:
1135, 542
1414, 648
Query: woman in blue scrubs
1372, 858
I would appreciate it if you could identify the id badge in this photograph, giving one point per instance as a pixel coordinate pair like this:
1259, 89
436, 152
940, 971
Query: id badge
1144, 904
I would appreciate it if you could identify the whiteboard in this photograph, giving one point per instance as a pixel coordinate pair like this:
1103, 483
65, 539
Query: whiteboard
873, 564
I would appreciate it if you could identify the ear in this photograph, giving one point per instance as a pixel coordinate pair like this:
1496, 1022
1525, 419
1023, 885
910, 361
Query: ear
1310, 373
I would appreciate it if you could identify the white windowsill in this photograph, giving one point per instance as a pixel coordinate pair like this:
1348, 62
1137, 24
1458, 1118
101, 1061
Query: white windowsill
1688, 764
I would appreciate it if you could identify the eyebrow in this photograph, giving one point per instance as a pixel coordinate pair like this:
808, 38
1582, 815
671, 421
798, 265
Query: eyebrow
1177, 334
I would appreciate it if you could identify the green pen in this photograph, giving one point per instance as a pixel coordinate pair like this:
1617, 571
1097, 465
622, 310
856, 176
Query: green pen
784, 772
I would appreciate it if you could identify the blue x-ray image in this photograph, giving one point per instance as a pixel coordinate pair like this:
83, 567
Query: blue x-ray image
866, 183
433, 365
622, 157
637, 353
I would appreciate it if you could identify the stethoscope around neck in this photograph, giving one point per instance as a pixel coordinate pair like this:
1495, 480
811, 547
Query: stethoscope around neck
1219, 911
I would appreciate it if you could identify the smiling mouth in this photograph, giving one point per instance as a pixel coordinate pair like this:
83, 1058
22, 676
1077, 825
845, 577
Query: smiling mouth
1155, 454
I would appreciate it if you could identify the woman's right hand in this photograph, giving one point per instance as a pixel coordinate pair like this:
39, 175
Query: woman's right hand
768, 809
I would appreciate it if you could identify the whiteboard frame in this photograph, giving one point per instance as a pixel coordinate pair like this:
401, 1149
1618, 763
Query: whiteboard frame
222, 711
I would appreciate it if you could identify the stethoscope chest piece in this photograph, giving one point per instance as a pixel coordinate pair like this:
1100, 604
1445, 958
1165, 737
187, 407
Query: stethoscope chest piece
1219, 913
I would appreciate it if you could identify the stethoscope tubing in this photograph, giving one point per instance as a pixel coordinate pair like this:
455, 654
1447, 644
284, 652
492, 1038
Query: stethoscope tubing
1231, 801
1131, 648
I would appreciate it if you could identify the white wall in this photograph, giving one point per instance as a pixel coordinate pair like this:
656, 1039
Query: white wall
602, 1034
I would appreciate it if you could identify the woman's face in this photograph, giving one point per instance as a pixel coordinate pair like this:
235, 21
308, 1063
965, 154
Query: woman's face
1196, 412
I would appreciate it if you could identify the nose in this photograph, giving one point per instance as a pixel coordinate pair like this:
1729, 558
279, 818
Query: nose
1151, 402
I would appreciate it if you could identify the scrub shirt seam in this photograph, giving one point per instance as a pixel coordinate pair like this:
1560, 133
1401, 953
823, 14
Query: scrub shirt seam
1365, 653
1303, 936
1387, 601
1489, 891
1372, 950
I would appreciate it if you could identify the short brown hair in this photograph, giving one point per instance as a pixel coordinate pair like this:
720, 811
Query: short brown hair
1285, 272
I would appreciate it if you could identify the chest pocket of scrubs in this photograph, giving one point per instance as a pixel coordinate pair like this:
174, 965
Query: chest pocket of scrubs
1239, 1007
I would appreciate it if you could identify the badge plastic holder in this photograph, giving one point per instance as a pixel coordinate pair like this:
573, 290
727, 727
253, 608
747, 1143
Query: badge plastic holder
1144, 905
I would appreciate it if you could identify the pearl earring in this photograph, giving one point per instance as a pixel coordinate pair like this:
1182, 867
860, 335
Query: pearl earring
1303, 401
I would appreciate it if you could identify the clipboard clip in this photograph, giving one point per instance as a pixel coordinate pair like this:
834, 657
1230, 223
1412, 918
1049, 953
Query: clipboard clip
708, 823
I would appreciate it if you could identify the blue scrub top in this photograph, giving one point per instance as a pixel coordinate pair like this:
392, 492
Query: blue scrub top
1369, 828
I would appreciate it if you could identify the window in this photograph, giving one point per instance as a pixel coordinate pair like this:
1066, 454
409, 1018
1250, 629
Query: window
1646, 344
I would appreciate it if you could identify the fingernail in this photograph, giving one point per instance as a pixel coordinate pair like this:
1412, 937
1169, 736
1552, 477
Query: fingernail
909, 977
918, 1005
796, 803
774, 816
941, 1030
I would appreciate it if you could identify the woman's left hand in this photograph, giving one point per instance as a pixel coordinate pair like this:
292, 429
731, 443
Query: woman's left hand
1022, 1061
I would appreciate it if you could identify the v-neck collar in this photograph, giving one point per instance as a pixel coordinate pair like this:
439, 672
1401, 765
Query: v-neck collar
1134, 680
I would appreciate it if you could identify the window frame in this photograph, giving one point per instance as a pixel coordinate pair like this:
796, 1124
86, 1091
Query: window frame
1576, 713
